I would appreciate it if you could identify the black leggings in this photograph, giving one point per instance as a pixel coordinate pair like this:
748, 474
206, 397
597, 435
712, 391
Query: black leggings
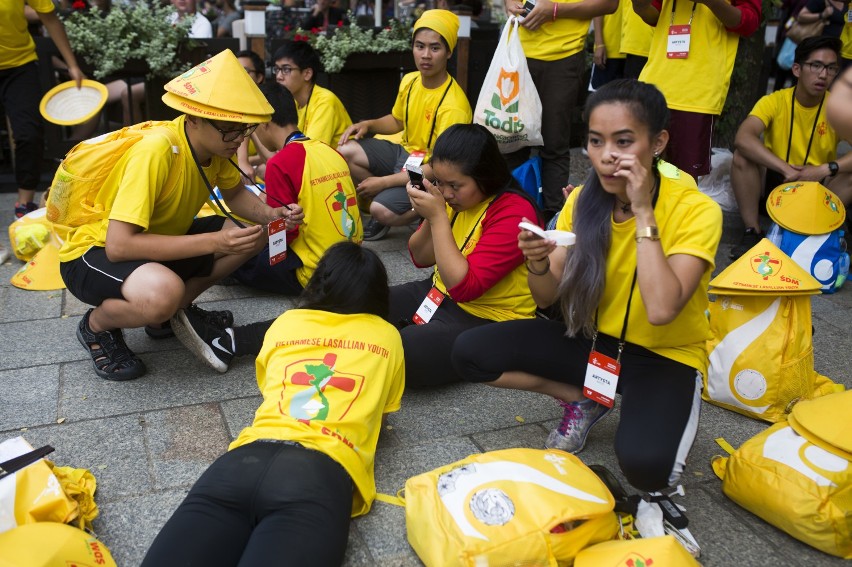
660, 398
265, 503
427, 347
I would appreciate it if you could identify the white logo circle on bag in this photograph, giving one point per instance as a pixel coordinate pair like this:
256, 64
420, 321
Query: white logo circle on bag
492, 507
823, 270
750, 384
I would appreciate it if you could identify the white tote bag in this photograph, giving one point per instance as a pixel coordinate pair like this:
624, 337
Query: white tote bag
508, 104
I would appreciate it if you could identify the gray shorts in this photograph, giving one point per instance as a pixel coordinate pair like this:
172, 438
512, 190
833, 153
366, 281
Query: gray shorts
387, 158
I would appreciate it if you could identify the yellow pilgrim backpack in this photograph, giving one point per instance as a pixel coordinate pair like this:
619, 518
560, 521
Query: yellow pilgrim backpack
662, 551
797, 475
528, 507
72, 199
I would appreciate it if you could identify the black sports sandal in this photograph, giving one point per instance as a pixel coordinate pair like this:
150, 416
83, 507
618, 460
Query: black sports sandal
111, 357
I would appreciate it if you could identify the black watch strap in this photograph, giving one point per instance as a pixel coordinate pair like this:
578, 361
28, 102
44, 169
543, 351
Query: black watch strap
833, 168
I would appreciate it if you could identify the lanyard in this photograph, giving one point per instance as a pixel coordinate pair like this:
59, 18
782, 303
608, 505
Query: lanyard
470, 234
207, 182
792, 122
293, 136
435, 114
691, 16
621, 340
310, 94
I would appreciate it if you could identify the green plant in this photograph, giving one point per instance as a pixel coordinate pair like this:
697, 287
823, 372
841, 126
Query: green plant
136, 32
335, 46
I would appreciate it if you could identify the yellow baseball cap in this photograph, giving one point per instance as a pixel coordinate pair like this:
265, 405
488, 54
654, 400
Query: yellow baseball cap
219, 89
806, 207
444, 22
764, 269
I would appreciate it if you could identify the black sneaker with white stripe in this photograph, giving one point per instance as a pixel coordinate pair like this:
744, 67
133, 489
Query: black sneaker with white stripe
208, 342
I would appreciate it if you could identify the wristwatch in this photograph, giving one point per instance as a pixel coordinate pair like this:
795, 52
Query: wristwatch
833, 168
649, 232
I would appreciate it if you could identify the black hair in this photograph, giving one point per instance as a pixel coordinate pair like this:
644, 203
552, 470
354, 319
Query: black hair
302, 54
256, 61
584, 278
811, 44
443, 39
348, 279
282, 103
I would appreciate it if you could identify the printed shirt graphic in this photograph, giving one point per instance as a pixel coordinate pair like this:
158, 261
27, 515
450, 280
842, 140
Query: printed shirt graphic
324, 118
134, 193
774, 111
455, 109
690, 223
315, 176
326, 380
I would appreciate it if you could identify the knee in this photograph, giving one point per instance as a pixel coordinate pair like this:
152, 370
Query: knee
347, 150
382, 214
161, 298
465, 358
644, 467
740, 162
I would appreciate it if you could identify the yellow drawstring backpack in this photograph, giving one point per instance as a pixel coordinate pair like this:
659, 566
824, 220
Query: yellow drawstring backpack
797, 475
663, 551
761, 354
512, 507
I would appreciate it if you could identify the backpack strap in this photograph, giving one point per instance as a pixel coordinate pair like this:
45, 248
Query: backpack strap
398, 500
171, 179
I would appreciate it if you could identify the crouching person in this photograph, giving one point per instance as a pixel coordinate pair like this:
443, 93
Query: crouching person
144, 256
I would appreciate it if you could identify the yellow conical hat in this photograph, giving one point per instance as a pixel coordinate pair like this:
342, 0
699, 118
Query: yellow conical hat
805, 207
219, 89
765, 269
42, 272
825, 421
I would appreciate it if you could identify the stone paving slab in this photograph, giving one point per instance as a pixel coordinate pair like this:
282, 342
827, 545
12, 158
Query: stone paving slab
148, 440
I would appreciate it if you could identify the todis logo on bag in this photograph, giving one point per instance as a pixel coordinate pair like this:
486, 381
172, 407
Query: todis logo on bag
505, 99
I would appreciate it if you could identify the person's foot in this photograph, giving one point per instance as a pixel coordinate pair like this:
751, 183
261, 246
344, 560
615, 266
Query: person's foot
577, 421
221, 319
22, 209
374, 230
111, 357
209, 343
750, 238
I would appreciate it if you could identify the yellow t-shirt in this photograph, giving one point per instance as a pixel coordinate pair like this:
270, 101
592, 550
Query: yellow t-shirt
689, 223
612, 30
134, 193
774, 111
326, 380
555, 40
420, 104
846, 35
635, 33
509, 298
16, 44
324, 118
700, 82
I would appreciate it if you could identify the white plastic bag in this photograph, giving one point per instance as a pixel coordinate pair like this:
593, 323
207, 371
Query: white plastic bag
717, 183
508, 104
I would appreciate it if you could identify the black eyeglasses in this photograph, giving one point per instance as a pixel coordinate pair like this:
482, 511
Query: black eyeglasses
286, 70
231, 135
817, 67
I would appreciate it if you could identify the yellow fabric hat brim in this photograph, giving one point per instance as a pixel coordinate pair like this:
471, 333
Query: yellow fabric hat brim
741, 292
826, 422
219, 89
444, 22
67, 105
42, 272
765, 268
806, 207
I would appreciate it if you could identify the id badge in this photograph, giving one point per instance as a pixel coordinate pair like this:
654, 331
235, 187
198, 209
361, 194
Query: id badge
428, 307
678, 44
277, 241
414, 158
601, 378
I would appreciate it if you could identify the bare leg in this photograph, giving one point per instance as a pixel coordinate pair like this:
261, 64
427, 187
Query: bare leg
515, 380
357, 160
746, 180
389, 218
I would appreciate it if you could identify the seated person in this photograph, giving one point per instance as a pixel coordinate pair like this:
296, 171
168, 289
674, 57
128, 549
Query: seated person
324, 17
321, 114
251, 155
287, 487
633, 288
429, 101
469, 233
145, 257
787, 138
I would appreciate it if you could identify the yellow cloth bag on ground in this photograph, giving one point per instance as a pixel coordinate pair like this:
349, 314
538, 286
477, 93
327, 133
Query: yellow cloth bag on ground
663, 551
797, 475
526, 507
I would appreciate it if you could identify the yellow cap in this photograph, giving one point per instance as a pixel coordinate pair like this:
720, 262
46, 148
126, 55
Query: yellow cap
219, 89
444, 22
765, 269
826, 422
806, 207
51, 544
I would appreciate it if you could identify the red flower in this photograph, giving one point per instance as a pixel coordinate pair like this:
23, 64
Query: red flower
315, 31
340, 23
288, 27
78, 5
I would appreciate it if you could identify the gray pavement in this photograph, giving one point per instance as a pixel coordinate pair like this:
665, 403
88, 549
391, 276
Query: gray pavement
148, 440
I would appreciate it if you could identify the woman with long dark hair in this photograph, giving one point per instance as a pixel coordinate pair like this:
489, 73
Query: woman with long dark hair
328, 371
471, 211
632, 290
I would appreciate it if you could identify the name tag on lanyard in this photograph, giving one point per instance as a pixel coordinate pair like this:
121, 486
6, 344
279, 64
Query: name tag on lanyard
601, 378
678, 42
277, 241
427, 309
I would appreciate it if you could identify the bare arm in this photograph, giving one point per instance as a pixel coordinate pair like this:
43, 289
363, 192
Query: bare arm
748, 143
544, 256
645, 10
730, 16
600, 48
387, 124
57, 32
543, 11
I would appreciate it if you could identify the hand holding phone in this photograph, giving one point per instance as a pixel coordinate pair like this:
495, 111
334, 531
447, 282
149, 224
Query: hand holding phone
415, 175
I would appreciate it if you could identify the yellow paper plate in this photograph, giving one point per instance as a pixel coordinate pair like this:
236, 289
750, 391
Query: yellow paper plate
67, 105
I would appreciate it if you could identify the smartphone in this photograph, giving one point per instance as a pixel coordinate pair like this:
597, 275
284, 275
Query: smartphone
528, 6
415, 175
